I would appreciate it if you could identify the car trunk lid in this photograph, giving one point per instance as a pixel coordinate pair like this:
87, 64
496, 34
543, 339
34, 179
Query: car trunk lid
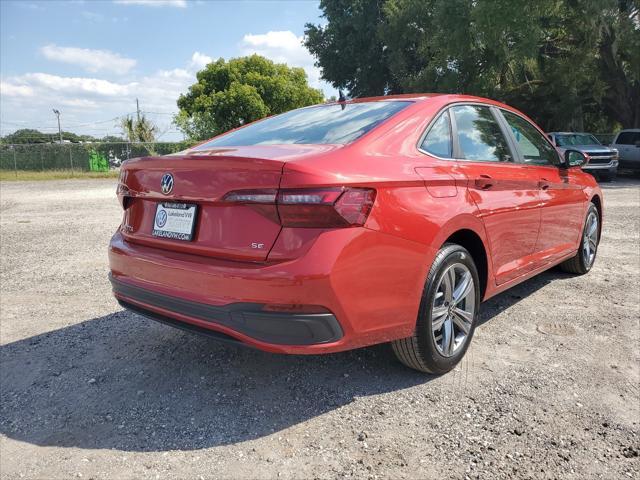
201, 180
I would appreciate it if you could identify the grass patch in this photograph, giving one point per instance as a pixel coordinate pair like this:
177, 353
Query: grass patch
10, 175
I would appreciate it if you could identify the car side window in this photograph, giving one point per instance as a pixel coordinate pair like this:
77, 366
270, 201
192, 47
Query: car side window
479, 135
628, 138
535, 149
438, 140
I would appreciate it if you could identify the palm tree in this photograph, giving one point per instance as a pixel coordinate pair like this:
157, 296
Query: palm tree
138, 130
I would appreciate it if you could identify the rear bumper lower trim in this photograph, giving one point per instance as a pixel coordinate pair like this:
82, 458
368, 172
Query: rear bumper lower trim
276, 328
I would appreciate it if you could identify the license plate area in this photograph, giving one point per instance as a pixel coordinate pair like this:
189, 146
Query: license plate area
175, 221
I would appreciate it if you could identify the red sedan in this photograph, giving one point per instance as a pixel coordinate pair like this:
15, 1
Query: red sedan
337, 226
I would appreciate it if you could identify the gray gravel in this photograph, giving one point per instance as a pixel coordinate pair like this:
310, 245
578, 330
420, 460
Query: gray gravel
548, 389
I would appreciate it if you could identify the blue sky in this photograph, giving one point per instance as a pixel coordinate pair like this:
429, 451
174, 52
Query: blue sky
91, 58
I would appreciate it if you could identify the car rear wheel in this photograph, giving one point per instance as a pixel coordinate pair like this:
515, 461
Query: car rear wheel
447, 316
586, 255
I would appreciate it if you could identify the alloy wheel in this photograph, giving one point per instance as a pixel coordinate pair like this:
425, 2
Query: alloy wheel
453, 309
590, 239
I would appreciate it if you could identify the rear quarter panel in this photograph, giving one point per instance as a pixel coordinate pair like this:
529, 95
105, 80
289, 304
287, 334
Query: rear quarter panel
408, 205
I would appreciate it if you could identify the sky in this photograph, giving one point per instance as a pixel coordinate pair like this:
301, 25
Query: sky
91, 59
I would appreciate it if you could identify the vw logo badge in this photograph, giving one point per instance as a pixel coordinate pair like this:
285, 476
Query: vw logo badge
166, 184
161, 218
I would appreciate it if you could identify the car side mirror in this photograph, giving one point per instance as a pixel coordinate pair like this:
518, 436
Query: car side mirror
575, 158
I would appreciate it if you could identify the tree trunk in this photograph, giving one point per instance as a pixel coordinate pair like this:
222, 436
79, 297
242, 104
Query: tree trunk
621, 101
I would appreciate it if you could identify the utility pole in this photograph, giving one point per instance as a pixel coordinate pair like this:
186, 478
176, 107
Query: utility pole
57, 112
138, 110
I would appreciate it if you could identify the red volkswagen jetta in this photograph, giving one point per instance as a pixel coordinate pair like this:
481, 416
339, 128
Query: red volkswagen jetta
342, 225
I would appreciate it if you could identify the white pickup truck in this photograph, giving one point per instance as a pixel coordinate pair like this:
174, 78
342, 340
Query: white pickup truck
603, 160
627, 142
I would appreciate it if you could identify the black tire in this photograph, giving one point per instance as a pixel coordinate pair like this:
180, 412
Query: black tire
420, 351
579, 264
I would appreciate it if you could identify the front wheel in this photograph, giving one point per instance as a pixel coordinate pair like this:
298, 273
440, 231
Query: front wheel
447, 316
586, 255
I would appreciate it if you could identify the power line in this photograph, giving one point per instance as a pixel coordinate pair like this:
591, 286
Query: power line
67, 125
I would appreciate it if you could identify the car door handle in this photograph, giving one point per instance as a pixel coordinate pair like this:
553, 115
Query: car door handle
544, 184
485, 182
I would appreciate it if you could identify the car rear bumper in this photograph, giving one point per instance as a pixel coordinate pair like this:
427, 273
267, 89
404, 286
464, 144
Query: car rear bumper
279, 328
368, 284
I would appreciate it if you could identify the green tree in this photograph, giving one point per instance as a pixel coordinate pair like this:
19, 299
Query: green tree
567, 63
352, 56
113, 139
231, 93
139, 129
29, 135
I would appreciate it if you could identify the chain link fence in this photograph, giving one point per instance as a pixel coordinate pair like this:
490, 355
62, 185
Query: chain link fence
101, 156
98, 156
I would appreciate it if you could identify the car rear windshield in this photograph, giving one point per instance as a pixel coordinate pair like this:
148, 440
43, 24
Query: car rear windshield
576, 139
320, 124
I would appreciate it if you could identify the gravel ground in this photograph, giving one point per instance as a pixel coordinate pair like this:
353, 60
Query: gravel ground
548, 389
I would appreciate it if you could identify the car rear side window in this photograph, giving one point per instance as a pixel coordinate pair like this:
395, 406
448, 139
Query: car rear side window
438, 140
628, 138
479, 134
320, 124
534, 147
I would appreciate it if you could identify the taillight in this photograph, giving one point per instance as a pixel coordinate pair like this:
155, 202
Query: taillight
123, 194
310, 207
355, 204
251, 196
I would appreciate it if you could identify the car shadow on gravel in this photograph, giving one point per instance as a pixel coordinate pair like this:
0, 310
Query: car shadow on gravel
127, 383
509, 298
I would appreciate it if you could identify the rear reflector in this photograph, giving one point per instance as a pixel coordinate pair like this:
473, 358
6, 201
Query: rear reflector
311, 309
312, 207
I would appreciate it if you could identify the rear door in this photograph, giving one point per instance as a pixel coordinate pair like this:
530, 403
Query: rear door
562, 199
505, 193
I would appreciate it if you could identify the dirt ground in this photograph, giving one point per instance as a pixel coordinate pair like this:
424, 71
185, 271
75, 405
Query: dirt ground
550, 387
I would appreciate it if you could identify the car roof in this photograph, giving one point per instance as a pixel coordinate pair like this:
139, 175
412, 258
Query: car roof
443, 98
570, 133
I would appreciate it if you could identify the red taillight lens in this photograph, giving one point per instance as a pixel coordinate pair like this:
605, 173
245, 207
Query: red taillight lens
311, 207
355, 204
122, 191
302, 196
251, 196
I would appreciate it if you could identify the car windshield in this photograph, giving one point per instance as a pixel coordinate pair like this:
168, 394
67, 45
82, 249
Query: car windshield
576, 139
320, 124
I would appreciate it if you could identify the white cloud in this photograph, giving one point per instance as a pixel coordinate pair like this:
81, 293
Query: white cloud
200, 60
74, 85
154, 3
284, 47
90, 60
11, 90
86, 102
